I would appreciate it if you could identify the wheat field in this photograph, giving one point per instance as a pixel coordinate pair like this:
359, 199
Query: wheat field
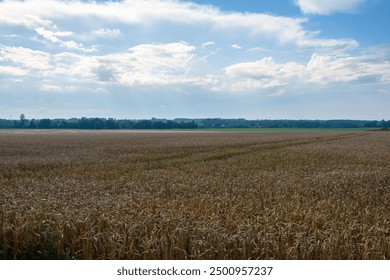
194, 195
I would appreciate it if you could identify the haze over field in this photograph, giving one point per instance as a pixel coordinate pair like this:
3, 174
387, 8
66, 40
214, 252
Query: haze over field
163, 58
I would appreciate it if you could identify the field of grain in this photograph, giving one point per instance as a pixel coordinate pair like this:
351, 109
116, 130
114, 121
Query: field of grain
194, 195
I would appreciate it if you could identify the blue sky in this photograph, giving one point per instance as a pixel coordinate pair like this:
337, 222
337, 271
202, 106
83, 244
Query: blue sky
276, 59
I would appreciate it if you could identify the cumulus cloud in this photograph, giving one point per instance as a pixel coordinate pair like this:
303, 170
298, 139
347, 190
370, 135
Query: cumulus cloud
321, 69
265, 67
24, 57
328, 7
262, 74
136, 61
327, 69
144, 64
166, 57
175, 63
164, 64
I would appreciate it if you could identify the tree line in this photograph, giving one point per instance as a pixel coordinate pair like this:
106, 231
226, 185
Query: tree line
183, 123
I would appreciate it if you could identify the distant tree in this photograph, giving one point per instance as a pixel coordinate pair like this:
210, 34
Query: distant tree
63, 124
22, 120
83, 123
44, 123
33, 124
111, 123
143, 124
96, 123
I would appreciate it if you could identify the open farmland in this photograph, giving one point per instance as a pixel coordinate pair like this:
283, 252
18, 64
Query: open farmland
194, 195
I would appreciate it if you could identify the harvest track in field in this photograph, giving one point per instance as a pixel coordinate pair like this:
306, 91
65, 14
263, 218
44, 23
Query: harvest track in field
194, 195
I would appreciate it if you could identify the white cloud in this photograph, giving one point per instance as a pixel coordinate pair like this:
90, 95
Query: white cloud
155, 13
327, 69
25, 57
262, 74
57, 88
167, 57
236, 46
159, 64
322, 70
264, 68
328, 7
64, 27
16, 80
72, 66
11, 70
107, 33
77, 46
209, 43
53, 36
10, 17
51, 88
43, 27
175, 64
144, 64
